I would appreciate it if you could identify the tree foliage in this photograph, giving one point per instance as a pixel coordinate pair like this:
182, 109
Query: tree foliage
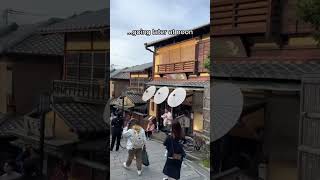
309, 11
207, 63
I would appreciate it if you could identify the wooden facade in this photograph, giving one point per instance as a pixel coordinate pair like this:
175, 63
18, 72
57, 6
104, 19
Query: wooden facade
19, 95
138, 80
181, 60
85, 66
266, 33
183, 57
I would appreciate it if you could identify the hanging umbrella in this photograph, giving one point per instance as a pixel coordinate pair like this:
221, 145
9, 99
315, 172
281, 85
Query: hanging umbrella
161, 95
226, 109
149, 93
177, 97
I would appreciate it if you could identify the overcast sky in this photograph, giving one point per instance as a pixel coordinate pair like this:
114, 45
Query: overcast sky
146, 14
49, 8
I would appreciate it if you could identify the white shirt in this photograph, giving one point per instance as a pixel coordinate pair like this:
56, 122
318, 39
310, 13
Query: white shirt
167, 118
129, 135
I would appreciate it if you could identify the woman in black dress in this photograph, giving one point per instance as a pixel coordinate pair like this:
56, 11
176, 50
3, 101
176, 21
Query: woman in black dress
175, 153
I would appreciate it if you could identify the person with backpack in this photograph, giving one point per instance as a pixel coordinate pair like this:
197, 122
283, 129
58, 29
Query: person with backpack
135, 144
116, 130
175, 152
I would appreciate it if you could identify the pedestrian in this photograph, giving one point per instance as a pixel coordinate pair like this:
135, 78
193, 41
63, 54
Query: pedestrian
24, 154
185, 122
175, 152
31, 164
116, 130
167, 119
150, 127
135, 144
10, 171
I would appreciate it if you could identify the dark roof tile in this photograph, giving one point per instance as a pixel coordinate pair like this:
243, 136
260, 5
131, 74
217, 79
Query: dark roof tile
273, 69
52, 44
82, 118
181, 83
138, 68
86, 21
9, 123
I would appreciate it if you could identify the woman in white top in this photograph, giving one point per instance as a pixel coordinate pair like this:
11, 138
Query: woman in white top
167, 119
135, 143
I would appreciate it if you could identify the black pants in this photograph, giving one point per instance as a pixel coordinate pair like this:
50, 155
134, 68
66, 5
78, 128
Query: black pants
116, 135
148, 134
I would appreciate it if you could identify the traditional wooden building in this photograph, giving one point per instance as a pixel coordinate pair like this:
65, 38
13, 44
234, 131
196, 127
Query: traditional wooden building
28, 63
178, 61
119, 80
74, 128
265, 49
139, 75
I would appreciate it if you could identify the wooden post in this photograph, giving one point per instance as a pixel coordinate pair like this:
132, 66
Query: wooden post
44, 106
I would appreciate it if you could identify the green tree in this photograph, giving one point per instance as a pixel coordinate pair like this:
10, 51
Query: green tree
207, 63
309, 11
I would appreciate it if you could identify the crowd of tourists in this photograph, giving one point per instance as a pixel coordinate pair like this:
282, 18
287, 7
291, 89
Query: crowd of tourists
131, 129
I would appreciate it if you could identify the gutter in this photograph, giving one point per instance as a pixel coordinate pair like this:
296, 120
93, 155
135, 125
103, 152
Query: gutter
147, 48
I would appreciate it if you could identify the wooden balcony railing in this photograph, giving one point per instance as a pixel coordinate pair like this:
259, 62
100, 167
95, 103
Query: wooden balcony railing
232, 17
180, 67
82, 90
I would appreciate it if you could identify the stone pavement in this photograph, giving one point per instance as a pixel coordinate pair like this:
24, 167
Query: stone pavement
154, 171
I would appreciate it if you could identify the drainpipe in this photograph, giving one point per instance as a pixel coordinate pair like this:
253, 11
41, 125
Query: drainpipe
153, 69
154, 53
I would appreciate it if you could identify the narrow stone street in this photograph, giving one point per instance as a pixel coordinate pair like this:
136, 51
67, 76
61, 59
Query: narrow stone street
154, 171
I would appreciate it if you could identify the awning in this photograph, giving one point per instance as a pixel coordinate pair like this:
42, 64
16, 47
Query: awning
186, 84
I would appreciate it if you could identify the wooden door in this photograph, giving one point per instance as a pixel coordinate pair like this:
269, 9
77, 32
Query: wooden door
309, 129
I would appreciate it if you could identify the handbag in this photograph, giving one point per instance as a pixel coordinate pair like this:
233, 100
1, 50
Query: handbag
145, 158
175, 155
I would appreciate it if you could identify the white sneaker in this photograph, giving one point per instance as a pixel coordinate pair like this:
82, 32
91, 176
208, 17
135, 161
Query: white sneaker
139, 173
125, 165
165, 179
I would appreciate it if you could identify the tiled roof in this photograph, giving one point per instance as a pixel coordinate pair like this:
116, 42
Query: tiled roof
181, 83
82, 118
24, 39
15, 36
138, 68
52, 44
87, 21
136, 98
120, 74
10, 122
176, 38
271, 69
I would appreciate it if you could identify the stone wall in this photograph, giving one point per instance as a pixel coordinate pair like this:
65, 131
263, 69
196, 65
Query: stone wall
206, 111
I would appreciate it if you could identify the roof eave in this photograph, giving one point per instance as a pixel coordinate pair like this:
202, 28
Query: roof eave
96, 29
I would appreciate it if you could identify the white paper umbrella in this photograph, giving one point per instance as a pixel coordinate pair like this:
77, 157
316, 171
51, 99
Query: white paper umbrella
177, 97
226, 109
161, 95
149, 93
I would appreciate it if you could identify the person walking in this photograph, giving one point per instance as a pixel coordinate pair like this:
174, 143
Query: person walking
150, 127
175, 152
185, 122
135, 144
116, 130
167, 119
